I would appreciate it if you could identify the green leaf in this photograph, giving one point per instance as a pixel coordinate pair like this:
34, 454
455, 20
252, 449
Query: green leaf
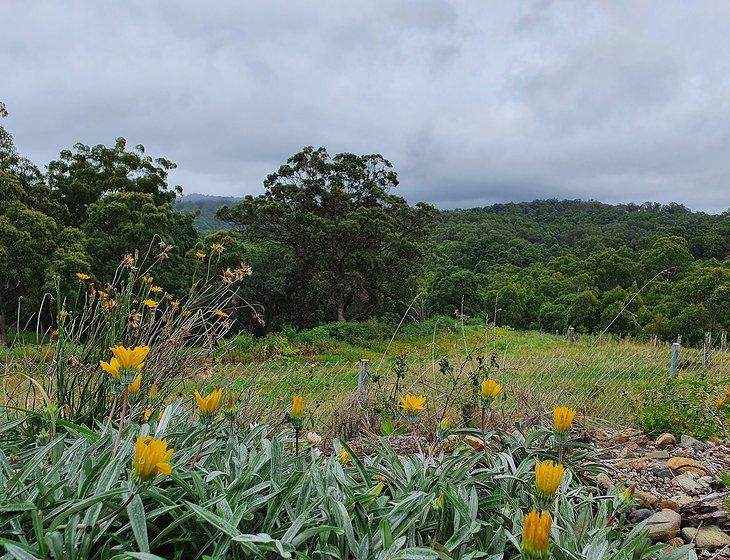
138, 521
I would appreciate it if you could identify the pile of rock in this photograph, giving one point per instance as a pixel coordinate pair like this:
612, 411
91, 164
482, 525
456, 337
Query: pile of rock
678, 488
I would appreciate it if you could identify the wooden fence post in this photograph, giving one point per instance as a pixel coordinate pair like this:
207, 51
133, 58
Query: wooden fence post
362, 380
674, 361
679, 339
707, 350
723, 341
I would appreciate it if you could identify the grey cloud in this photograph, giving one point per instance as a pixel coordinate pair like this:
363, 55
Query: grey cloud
473, 102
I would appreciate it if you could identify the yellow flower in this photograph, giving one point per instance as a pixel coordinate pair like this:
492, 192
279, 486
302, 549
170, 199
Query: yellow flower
536, 534
150, 303
199, 255
111, 367
344, 457
108, 304
217, 248
548, 475
130, 358
151, 457
413, 404
221, 313
490, 389
297, 406
63, 314
153, 392
147, 413
210, 403
147, 279
175, 303
185, 312
563, 417
103, 294
727, 393
82, 277
720, 403
54, 333
156, 289
134, 387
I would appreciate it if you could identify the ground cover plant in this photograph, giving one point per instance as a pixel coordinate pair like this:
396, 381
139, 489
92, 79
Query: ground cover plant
198, 485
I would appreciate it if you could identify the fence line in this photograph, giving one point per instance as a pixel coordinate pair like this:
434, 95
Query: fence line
599, 380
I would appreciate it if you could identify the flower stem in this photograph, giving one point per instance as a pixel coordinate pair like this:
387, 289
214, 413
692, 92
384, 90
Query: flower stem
200, 447
122, 415
296, 440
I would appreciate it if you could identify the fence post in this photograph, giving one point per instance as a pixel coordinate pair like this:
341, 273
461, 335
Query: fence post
674, 361
362, 380
707, 350
679, 339
723, 341
571, 334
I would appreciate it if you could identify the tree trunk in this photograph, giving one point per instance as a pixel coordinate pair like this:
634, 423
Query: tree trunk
2, 324
341, 310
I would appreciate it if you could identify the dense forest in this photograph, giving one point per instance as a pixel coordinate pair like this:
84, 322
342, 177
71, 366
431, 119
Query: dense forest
329, 240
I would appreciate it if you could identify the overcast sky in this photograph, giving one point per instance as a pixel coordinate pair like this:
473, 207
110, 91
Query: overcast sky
473, 102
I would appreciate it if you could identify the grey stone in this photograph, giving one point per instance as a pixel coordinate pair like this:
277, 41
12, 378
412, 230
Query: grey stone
687, 483
659, 454
664, 525
639, 515
662, 472
604, 482
689, 441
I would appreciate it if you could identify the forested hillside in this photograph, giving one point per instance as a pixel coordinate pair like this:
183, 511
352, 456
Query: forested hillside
549, 264
204, 207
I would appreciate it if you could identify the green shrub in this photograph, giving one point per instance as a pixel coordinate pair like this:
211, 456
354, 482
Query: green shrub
682, 406
348, 333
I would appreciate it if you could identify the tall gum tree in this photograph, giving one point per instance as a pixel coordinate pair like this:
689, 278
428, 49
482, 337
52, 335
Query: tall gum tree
361, 247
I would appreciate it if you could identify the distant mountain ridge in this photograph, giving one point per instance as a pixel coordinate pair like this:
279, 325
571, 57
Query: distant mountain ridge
206, 206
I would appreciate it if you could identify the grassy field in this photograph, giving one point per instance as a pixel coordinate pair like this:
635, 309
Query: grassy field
604, 378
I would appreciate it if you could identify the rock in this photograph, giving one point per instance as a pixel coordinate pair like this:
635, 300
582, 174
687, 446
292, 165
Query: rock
604, 482
662, 472
705, 480
645, 499
626, 453
659, 454
641, 463
670, 504
475, 442
676, 542
710, 536
688, 483
685, 464
664, 525
682, 500
665, 440
689, 441
640, 515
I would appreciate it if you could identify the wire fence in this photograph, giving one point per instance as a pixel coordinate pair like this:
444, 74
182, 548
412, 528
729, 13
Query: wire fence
604, 381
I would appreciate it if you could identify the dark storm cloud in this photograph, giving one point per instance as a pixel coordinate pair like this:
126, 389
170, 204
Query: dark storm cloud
473, 102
